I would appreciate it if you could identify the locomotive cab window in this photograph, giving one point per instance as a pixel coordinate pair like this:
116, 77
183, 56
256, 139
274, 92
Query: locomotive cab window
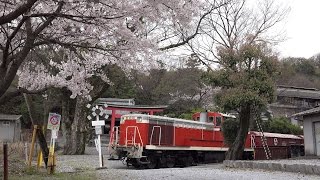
210, 119
218, 120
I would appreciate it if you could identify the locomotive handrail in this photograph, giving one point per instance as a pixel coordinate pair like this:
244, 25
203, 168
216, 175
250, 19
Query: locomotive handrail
152, 134
116, 130
136, 129
253, 143
116, 141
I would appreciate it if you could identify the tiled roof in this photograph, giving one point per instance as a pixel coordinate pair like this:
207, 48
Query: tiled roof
298, 92
9, 117
308, 112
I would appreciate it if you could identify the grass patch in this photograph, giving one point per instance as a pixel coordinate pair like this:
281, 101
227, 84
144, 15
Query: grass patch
43, 175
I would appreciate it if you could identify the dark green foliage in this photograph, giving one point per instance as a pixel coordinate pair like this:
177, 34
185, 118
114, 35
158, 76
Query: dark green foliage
282, 125
17, 106
183, 89
188, 115
181, 108
229, 130
122, 86
249, 81
299, 72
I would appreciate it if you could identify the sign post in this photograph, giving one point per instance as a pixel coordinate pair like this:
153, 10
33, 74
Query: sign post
5, 161
98, 130
53, 125
35, 127
98, 125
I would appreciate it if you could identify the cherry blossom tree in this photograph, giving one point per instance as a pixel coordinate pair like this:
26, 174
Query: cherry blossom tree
91, 34
119, 29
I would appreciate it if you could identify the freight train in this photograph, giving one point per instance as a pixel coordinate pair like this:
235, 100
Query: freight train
156, 141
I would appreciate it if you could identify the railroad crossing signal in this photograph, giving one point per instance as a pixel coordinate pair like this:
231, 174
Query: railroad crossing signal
97, 111
54, 121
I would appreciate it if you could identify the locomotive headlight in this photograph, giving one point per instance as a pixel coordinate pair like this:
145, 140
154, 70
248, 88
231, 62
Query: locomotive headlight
122, 119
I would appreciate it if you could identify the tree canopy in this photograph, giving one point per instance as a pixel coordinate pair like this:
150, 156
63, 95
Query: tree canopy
92, 34
247, 82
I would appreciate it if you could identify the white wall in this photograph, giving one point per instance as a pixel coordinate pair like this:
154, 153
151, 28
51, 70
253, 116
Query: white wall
308, 132
7, 132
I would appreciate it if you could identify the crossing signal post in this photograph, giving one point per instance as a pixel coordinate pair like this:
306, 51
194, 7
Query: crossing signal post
98, 126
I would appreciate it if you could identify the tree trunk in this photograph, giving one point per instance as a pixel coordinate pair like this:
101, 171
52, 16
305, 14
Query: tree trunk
75, 120
79, 130
66, 125
41, 137
236, 150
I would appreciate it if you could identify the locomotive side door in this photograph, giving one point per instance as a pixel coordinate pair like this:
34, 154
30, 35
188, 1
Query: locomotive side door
211, 120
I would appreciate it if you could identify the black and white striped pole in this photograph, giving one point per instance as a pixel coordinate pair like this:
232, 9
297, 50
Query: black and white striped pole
98, 125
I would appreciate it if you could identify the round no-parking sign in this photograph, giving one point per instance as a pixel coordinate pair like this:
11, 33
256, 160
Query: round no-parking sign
54, 121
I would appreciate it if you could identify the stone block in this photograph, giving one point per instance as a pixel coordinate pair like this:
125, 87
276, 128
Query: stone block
309, 169
255, 165
231, 164
291, 168
239, 164
302, 168
245, 164
249, 164
226, 163
277, 167
270, 166
316, 169
263, 166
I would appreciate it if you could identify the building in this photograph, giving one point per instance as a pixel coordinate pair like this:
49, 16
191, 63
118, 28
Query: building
311, 130
291, 100
118, 107
115, 101
10, 128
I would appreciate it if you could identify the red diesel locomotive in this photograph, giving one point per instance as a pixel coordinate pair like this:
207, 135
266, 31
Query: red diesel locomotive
156, 141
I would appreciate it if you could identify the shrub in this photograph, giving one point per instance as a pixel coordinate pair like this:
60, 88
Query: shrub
282, 125
229, 130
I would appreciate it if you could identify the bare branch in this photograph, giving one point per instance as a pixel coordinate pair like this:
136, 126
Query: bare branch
187, 39
49, 19
235, 24
8, 43
18, 92
18, 12
77, 18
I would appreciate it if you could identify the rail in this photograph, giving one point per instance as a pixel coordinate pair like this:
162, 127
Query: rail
133, 140
152, 134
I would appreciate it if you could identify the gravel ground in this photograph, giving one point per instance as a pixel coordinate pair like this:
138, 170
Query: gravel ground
117, 170
203, 172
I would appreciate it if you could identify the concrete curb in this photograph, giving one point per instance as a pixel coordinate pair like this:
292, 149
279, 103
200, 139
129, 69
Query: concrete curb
296, 168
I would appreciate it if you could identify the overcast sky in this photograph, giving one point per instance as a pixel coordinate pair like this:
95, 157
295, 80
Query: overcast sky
302, 27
